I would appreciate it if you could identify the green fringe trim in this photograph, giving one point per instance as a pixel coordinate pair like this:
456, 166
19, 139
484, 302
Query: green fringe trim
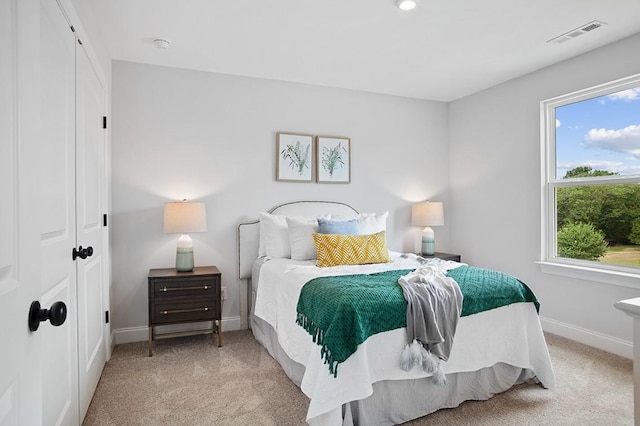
318, 338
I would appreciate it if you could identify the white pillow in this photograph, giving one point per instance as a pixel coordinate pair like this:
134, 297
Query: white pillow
372, 223
275, 241
301, 230
262, 249
274, 236
348, 217
368, 223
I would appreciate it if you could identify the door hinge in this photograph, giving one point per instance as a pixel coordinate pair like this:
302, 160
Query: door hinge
104, 219
104, 122
106, 317
73, 30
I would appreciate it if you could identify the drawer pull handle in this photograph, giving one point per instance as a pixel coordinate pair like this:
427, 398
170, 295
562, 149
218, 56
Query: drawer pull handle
205, 287
182, 311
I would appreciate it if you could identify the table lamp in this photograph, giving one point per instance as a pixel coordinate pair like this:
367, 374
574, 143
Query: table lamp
184, 217
427, 214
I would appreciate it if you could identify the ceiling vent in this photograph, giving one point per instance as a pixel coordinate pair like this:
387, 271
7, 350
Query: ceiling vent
577, 32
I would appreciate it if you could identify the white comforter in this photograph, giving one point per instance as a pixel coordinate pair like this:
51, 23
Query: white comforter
511, 334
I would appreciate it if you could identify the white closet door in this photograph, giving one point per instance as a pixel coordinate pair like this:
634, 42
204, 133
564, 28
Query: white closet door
20, 382
57, 214
39, 223
90, 141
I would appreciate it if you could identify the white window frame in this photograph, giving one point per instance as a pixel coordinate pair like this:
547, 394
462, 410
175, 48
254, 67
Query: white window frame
549, 261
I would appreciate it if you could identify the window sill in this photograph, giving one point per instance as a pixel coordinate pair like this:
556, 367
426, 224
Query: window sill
603, 276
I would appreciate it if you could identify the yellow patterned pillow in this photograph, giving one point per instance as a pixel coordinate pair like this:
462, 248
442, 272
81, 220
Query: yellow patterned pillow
336, 249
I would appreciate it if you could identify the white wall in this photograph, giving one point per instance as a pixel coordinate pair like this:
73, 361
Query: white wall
203, 136
495, 191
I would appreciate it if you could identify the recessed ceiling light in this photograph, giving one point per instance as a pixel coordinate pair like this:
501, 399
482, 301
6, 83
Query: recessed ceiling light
161, 43
406, 4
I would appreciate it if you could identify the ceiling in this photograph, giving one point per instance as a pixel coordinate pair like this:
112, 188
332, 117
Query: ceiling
442, 50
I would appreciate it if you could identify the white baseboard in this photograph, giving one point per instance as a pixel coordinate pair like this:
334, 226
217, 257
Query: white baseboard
588, 337
141, 334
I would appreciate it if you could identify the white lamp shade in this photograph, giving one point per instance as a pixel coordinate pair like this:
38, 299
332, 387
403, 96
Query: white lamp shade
427, 213
184, 217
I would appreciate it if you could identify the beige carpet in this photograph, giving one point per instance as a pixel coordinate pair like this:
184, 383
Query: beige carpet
190, 381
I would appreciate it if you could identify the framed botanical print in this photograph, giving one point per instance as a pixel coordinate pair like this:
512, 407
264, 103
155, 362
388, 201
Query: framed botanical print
334, 159
294, 157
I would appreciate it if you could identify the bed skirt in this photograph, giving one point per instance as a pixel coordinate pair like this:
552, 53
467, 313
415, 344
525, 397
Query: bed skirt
398, 401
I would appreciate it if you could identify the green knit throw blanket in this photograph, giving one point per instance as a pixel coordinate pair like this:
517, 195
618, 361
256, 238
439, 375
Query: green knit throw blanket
341, 312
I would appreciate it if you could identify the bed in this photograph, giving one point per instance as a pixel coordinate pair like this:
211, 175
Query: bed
493, 350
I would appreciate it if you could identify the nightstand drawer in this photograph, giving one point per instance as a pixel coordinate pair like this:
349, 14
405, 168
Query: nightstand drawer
199, 310
183, 297
173, 289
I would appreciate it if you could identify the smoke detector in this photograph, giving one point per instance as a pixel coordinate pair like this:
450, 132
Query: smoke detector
406, 4
161, 43
577, 32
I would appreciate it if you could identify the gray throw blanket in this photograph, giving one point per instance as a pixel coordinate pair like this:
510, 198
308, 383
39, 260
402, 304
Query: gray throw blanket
434, 305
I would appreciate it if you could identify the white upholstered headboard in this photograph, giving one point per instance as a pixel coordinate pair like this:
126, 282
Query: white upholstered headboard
249, 232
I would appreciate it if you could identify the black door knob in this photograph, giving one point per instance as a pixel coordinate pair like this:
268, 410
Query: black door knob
79, 252
56, 315
82, 253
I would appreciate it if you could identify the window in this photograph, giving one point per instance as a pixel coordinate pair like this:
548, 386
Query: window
591, 188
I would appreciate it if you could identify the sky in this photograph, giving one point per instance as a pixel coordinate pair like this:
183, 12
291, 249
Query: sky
602, 133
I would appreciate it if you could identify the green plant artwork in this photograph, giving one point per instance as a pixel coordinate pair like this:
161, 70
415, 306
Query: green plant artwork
332, 158
298, 157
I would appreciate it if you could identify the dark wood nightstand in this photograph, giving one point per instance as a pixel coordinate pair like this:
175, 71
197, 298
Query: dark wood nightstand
443, 256
182, 297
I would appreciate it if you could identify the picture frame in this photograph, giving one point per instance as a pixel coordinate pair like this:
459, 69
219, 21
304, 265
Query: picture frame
295, 157
333, 156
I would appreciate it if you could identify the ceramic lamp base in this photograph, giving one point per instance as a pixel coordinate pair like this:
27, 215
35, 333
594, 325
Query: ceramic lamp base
428, 248
428, 242
184, 259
